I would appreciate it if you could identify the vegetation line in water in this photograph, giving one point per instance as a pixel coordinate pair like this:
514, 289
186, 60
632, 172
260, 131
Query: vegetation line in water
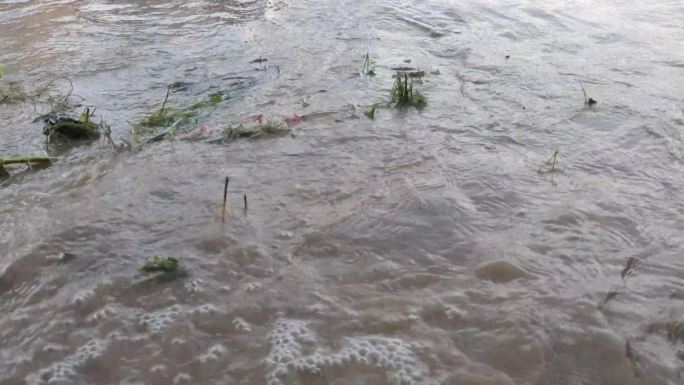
225, 200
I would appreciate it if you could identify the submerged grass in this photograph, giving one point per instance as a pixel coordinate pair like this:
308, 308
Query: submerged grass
30, 161
169, 116
550, 165
156, 263
266, 129
370, 112
632, 262
368, 66
403, 94
61, 125
161, 269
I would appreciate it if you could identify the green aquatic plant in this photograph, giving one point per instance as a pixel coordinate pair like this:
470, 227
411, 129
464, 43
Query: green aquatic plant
165, 117
267, 129
368, 66
212, 101
12, 92
58, 124
403, 94
370, 112
161, 269
156, 263
30, 161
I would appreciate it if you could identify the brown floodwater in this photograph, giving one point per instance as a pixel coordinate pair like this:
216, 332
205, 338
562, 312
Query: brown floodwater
419, 247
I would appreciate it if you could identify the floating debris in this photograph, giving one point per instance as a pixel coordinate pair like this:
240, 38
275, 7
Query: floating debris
30, 161
164, 118
550, 165
370, 112
58, 125
10, 91
196, 134
412, 74
213, 101
225, 199
632, 262
169, 132
267, 129
368, 66
294, 119
157, 263
403, 95
259, 60
161, 269
610, 296
587, 101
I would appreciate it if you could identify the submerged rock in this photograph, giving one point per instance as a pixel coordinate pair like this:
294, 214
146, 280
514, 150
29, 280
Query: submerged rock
499, 271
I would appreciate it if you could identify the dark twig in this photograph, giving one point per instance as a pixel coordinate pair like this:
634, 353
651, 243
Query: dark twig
168, 91
225, 200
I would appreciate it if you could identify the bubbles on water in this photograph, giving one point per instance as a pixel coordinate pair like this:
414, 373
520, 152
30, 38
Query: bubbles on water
293, 352
453, 312
65, 371
181, 378
212, 357
82, 297
206, 309
253, 286
160, 320
105, 313
241, 325
195, 286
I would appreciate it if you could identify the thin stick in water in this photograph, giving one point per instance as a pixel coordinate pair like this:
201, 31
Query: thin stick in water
584, 92
168, 90
225, 200
245, 196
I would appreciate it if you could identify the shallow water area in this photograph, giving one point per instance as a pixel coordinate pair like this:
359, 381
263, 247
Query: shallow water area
424, 246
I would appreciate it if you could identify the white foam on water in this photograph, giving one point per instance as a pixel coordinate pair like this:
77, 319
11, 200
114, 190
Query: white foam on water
158, 321
294, 351
65, 371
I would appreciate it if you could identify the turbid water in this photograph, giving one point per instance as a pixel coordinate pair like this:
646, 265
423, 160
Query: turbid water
419, 247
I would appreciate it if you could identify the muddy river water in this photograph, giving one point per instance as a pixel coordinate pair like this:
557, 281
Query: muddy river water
418, 247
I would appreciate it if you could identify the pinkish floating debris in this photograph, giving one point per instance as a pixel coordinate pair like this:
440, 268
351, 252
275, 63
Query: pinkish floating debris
197, 133
294, 119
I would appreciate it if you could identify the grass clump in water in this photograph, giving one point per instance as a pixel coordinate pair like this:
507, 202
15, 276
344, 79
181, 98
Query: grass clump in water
30, 161
370, 112
213, 101
267, 129
156, 263
161, 269
403, 94
62, 126
368, 66
166, 117
10, 91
